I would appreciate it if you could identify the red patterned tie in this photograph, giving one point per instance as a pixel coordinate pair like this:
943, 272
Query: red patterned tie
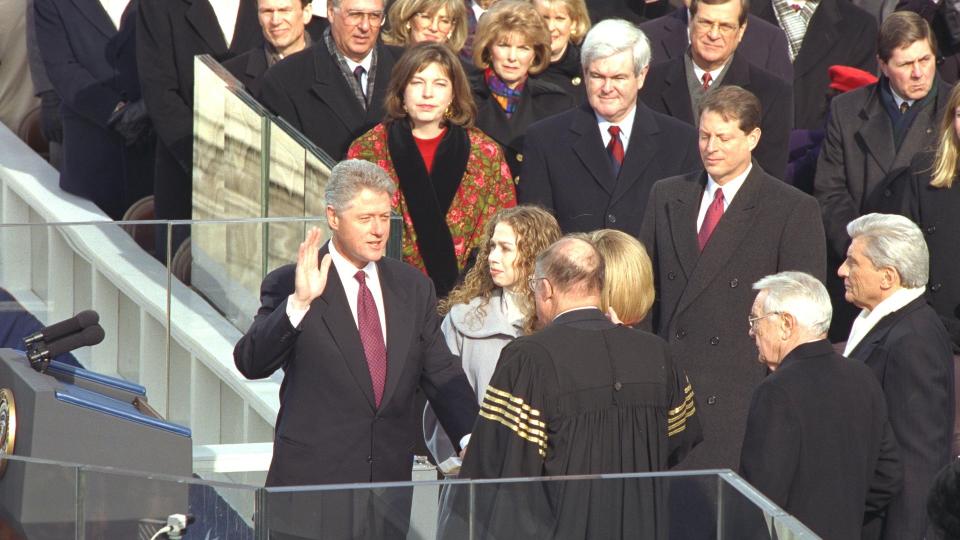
615, 149
707, 79
368, 322
714, 213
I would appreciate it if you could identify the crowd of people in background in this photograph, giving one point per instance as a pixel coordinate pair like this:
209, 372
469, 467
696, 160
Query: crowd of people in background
566, 171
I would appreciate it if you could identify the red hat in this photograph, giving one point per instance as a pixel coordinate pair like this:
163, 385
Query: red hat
846, 78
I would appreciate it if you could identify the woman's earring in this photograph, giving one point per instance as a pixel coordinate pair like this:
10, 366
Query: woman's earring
447, 113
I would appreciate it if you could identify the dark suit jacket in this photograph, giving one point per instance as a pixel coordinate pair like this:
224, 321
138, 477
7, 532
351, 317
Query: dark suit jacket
842, 34
703, 299
763, 45
665, 90
539, 100
309, 91
818, 441
90, 65
910, 353
169, 34
567, 170
328, 429
858, 152
935, 211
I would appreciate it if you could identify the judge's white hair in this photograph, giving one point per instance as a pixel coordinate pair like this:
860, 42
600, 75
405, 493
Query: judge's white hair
800, 295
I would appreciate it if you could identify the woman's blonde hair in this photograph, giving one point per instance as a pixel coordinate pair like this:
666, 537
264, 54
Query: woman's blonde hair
536, 229
402, 12
579, 16
947, 160
512, 17
628, 280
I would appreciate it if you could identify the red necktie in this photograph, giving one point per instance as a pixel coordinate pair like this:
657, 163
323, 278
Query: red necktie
368, 322
714, 213
707, 79
615, 149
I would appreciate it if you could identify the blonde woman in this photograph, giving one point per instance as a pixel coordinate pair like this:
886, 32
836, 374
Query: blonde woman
494, 304
415, 21
928, 192
568, 22
628, 275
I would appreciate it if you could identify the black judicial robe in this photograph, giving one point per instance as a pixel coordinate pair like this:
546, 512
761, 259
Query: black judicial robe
583, 396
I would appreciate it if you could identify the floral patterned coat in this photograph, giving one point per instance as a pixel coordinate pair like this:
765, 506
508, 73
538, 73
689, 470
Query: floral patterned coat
485, 188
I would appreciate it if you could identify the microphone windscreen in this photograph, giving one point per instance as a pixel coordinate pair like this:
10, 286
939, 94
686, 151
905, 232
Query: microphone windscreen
89, 336
72, 325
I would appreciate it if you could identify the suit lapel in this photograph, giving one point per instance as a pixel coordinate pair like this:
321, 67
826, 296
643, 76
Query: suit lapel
243, 38
821, 36
876, 132
330, 88
732, 230
385, 62
738, 74
864, 350
93, 11
201, 17
640, 151
682, 214
257, 64
589, 148
674, 32
399, 328
343, 329
921, 131
676, 94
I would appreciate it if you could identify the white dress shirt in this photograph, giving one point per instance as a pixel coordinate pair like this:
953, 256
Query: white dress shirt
226, 12
730, 190
366, 62
351, 287
625, 125
115, 9
867, 319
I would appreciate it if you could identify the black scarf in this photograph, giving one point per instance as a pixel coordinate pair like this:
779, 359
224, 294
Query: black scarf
429, 195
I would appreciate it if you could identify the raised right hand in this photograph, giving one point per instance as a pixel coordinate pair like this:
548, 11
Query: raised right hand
311, 274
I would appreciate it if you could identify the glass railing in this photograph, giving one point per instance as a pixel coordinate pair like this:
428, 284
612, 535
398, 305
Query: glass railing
58, 500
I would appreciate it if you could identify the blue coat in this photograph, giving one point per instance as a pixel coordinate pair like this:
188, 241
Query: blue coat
92, 67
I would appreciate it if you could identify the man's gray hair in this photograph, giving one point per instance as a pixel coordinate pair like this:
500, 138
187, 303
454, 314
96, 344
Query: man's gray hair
613, 36
894, 241
348, 178
800, 295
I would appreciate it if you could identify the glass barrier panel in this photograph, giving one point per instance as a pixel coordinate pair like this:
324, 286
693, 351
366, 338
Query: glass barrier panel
119, 504
38, 498
747, 513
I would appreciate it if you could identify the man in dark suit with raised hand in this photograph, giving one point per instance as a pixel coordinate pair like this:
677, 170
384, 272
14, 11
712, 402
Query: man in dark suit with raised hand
333, 92
714, 59
900, 337
818, 441
710, 235
764, 44
355, 334
593, 166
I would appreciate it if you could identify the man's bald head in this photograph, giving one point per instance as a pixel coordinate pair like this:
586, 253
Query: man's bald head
573, 267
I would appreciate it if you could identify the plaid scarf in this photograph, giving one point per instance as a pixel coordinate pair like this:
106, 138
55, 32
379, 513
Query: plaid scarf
508, 98
338, 57
794, 22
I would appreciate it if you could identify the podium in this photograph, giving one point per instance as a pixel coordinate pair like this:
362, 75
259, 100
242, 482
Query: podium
73, 415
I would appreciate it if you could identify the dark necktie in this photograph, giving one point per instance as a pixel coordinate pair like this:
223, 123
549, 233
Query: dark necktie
714, 213
371, 335
615, 149
707, 79
358, 75
904, 107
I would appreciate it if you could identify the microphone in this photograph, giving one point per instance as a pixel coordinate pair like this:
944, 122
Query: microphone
41, 354
72, 325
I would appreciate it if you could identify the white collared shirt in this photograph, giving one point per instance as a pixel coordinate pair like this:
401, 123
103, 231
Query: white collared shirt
867, 319
351, 287
713, 74
366, 62
477, 9
226, 12
730, 190
115, 9
625, 125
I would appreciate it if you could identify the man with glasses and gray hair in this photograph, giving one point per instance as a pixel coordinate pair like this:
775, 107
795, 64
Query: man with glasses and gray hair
818, 442
900, 337
333, 91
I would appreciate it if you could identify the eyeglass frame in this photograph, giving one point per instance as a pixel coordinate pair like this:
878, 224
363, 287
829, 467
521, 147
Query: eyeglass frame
444, 24
532, 283
368, 15
752, 321
724, 29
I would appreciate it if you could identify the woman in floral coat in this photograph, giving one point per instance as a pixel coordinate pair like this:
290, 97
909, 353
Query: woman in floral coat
452, 177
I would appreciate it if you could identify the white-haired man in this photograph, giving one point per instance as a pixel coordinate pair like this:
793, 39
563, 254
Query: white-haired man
901, 338
593, 166
818, 442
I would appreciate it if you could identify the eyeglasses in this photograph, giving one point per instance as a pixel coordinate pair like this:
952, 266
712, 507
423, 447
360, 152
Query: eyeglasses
425, 20
752, 321
725, 29
532, 283
356, 18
